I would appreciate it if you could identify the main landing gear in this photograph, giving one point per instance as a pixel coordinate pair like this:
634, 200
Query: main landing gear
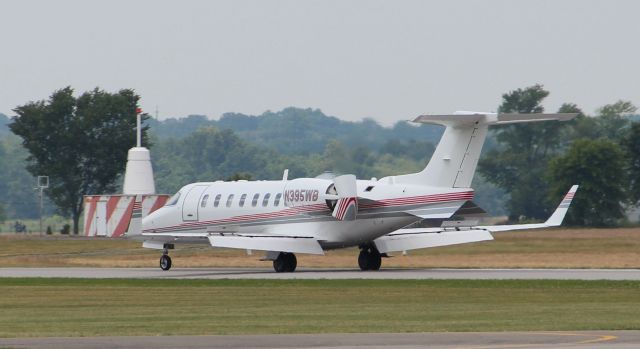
165, 260
369, 258
286, 262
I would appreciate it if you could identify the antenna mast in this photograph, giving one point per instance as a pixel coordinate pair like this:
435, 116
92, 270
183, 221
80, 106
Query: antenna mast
138, 130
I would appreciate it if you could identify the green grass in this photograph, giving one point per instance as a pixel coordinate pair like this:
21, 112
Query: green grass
556, 248
80, 307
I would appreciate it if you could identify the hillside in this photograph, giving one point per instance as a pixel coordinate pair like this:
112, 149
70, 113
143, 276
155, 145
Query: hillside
300, 131
306, 141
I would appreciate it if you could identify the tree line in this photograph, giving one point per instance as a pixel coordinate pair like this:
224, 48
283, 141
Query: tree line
524, 168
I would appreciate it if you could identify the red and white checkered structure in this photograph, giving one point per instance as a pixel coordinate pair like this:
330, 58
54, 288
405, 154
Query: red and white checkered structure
109, 215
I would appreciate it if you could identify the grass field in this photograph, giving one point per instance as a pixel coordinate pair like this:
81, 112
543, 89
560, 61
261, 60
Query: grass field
559, 248
70, 307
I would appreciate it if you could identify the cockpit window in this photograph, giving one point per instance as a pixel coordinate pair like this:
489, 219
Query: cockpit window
173, 200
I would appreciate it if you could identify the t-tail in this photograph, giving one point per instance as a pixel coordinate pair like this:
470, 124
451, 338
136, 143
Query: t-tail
455, 159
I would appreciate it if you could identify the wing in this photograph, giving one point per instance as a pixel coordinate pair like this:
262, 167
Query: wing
295, 244
554, 221
410, 239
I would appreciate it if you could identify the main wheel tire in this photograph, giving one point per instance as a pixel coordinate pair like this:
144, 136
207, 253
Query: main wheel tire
286, 262
292, 262
375, 260
364, 260
165, 262
280, 263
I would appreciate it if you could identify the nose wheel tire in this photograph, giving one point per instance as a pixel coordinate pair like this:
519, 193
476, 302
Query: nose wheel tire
369, 259
285, 263
165, 262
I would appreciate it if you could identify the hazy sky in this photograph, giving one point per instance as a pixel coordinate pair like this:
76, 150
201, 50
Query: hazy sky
389, 60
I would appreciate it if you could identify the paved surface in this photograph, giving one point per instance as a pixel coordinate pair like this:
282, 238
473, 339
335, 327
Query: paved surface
267, 273
501, 340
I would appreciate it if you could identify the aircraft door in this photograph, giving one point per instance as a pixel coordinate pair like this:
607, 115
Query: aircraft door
191, 201
101, 218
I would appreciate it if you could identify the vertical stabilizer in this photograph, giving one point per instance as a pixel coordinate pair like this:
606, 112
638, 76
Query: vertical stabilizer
455, 159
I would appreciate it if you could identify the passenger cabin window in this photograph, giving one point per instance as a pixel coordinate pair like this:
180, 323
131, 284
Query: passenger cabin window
204, 200
242, 198
265, 201
216, 202
173, 200
230, 200
276, 201
254, 202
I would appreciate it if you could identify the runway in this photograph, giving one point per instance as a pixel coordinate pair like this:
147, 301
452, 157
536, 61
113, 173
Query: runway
307, 273
464, 340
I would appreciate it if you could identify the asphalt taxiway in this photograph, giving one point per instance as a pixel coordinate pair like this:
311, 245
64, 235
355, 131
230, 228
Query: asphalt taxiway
308, 273
465, 340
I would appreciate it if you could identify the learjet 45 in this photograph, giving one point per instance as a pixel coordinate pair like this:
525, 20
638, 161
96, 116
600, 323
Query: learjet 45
311, 215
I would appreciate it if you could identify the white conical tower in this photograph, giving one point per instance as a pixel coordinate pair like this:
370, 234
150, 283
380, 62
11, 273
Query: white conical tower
138, 177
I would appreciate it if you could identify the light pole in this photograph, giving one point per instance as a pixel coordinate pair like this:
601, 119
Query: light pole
43, 183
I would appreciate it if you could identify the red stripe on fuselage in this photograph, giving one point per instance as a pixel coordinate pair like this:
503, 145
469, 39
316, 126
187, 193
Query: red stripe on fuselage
425, 199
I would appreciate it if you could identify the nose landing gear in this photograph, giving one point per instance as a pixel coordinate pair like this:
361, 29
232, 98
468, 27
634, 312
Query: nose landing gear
369, 258
165, 260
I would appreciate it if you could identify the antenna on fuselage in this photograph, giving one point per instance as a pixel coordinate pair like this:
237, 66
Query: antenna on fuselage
285, 175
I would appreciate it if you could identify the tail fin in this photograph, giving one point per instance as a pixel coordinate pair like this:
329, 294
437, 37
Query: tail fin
455, 159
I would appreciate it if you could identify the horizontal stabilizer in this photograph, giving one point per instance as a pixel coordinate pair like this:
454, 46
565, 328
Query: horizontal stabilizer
509, 118
411, 239
464, 118
268, 243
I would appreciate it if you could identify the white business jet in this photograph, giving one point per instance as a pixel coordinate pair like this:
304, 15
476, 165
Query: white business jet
312, 215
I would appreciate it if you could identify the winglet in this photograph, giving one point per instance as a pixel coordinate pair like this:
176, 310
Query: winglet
558, 215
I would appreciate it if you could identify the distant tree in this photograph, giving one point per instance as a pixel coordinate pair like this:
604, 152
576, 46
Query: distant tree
3, 179
239, 176
518, 164
16, 183
598, 167
337, 159
631, 145
613, 121
3, 216
571, 108
80, 143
